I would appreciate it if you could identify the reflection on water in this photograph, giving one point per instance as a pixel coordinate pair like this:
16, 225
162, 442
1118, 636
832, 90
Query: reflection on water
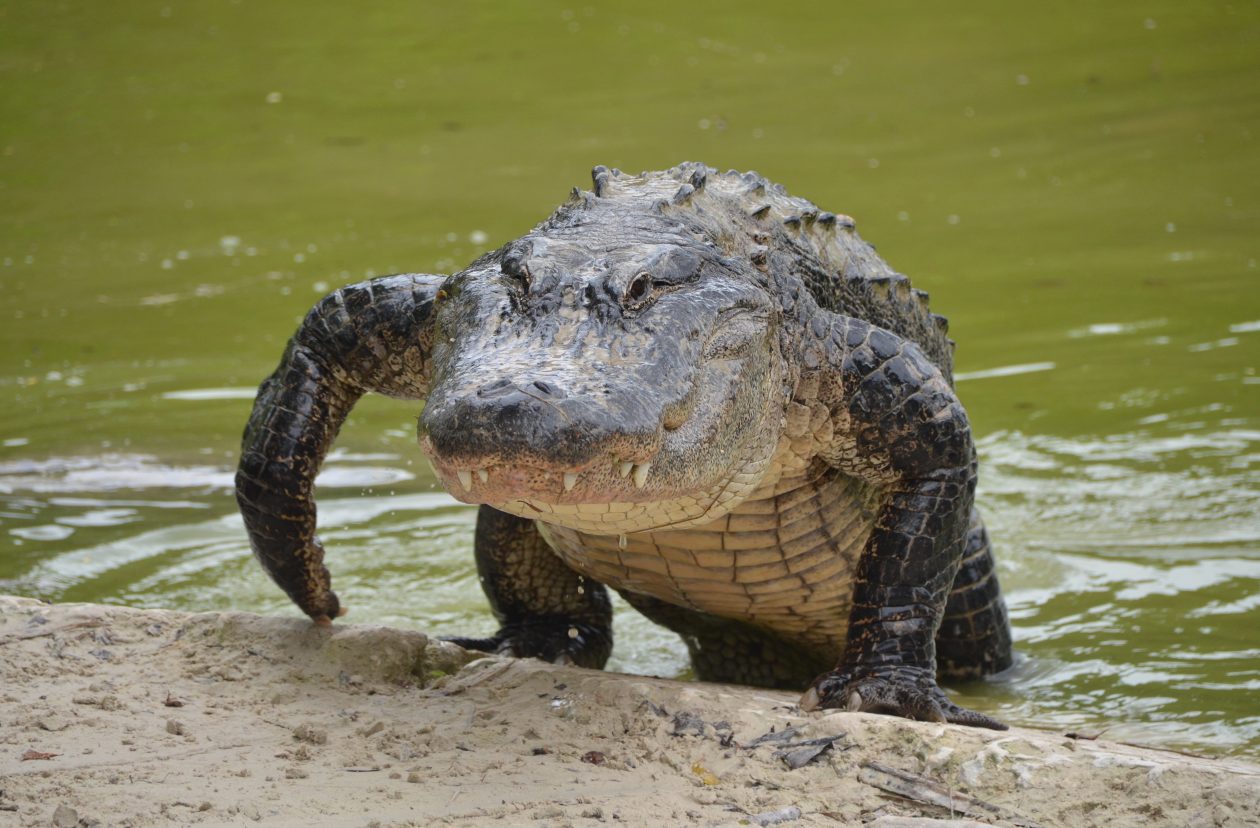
1004, 371
199, 394
1129, 563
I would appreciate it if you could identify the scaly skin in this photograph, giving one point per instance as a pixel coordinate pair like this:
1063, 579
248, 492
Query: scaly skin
696, 389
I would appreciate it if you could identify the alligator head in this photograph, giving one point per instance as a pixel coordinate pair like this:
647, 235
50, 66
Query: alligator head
615, 370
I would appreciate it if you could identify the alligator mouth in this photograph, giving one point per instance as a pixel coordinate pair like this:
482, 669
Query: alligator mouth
496, 482
605, 498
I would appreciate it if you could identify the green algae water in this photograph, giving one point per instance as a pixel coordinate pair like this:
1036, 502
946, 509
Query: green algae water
1078, 185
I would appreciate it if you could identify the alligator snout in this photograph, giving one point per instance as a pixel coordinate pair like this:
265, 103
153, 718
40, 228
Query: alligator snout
510, 421
534, 436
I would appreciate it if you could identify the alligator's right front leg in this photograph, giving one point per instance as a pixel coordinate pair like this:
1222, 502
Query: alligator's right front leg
897, 423
372, 336
545, 609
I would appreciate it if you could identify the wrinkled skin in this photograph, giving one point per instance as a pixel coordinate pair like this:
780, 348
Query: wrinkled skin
547, 361
695, 389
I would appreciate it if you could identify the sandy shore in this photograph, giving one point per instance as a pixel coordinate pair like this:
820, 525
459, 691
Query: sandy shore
116, 716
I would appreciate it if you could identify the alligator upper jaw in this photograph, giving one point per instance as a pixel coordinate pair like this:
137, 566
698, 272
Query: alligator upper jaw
495, 480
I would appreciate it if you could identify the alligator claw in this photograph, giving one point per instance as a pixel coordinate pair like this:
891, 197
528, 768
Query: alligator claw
480, 645
326, 620
555, 640
855, 702
910, 692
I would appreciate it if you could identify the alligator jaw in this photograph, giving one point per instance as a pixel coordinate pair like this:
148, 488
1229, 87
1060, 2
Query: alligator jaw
603, 481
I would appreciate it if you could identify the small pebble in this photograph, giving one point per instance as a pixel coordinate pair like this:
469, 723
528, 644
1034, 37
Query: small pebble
789, 814
65, 817
308, 733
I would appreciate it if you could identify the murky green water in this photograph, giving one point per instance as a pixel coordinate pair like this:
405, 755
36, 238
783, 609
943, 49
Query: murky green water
1078, 186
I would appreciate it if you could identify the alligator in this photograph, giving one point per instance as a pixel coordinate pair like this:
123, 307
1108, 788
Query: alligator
696, 389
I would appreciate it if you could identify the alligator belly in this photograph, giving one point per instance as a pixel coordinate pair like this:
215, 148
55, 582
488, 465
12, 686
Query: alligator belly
784, 561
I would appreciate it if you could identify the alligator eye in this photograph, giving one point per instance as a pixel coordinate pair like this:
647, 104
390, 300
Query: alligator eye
516, 269
639, 289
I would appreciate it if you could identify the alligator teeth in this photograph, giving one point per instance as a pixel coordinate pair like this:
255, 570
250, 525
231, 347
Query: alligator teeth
483, 475
465, 478
624, 468
570, 480
640, 474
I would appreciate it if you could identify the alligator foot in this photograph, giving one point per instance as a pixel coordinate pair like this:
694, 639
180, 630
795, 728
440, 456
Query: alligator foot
910, 692
554, 640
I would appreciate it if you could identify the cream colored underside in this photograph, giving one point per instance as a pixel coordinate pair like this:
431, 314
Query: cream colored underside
783, 558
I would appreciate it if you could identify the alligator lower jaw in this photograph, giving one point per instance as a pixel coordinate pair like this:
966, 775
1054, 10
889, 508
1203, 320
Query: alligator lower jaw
649, 512
614, 517
598, 501
495, 483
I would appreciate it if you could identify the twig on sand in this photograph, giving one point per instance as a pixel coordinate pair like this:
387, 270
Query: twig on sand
923, 790
75, 625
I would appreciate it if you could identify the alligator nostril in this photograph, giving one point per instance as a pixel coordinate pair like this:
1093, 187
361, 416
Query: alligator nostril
546, 389
675, 418
496, 388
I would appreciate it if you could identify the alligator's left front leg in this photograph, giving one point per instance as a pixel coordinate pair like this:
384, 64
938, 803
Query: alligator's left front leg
896, 422
545, 609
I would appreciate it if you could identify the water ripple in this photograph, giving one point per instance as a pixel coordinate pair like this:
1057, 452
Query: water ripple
1132, 570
